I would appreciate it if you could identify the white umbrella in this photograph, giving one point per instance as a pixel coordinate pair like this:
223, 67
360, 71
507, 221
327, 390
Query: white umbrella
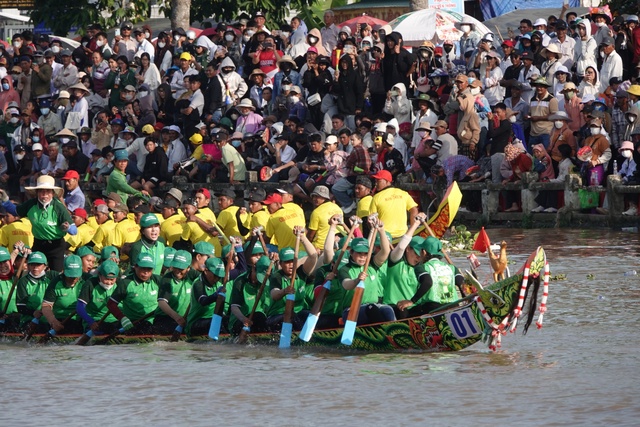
435, 25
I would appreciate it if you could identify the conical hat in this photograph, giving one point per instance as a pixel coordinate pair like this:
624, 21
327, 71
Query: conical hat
45, 182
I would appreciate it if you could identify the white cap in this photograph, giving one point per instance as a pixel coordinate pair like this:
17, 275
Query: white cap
381, 127
37, 146
391, 140
278, 127
540, 21
331, 139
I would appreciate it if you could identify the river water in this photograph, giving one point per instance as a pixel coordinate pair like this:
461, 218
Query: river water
581, 369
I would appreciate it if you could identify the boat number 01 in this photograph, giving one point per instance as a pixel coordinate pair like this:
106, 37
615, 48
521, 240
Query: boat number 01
463, 324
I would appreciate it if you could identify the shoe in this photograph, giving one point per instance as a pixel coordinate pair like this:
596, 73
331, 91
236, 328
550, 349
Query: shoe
538, 209
350, 208
551, 210
632, 211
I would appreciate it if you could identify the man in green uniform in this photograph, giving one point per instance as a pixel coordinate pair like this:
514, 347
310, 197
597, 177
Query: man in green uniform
149, 242
88, 258
61, 298
280, 284
203, 297
202, 251
174, 295
30, 291
94, 295
138, 294
437, 282
8, 319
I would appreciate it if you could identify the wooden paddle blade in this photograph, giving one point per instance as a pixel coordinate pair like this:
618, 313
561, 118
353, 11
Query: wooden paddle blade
285, 335
85, 338
175, 337
309, 327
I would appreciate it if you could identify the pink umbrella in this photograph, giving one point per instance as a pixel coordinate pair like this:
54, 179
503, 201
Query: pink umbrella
354, 23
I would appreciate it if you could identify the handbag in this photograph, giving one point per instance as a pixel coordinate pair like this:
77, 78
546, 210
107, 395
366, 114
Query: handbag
314, 99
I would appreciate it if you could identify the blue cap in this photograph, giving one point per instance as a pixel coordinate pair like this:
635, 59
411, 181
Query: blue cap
10, 208
117, 122
121, 155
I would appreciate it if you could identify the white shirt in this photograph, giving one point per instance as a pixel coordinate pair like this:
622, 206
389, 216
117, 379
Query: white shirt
138, 148
611, 67
146, 46
196, 101
177, 82
567, 49
176, 153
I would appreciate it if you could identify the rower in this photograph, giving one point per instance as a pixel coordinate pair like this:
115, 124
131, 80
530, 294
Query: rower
203, 297
10, 317
243, 296
149, 242
88, 258
201, 251
174, 294
30, 291
93, 298
138, 294
437, 282
61, 298
279, 284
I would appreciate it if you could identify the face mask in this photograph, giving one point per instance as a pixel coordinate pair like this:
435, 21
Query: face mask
570, 95
601, 54
64, 140
55, 49
19, 156
38, 276
512, 119
437, 80
465, 28
226, 70
128, 97
285, 34
44, 111
99, 43
147, 35
229, 37
313, 40
558, 124
627, 154
161, 45
422, 133
250, 33
234, 117
14, 120
286, 87
631, 119
601, 24
5, 86
176, 37
17, 45
236, 143
246, 38
448, 48
143, 94
294, 99
595, 131
105, 286
36, 139
475, 91
286, 67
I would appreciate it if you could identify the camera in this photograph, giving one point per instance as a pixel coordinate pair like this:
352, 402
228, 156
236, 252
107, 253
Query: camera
267, 45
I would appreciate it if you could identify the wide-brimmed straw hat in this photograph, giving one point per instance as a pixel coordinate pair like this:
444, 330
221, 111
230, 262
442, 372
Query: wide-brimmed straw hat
45, 182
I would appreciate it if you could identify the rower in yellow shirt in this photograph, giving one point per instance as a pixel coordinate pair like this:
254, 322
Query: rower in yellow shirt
227, 220
105, 228
362, 191
14, 229
319, 221
171, 227
85, 231
193, 232
392, 205
126, 230
281, 222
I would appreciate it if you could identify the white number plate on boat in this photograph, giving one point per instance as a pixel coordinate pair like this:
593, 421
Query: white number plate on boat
463, 324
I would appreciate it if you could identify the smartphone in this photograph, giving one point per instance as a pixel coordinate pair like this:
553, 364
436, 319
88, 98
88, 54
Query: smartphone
117, 32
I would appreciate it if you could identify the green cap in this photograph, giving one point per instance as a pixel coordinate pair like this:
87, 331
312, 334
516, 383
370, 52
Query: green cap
121, 155
341, 242
261, 268
287, 254
360, 244
377, 242
37, 258
109, 251
225, 250
145, 261
417, 243
216, 266
257, 248
169, 253
73, 266
83, 251
181, 260
344, 260
148, 220
4, 254
109, 269
433, 246
204, 248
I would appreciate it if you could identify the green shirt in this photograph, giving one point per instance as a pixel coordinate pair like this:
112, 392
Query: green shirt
443, 275
244, 295
137, 298
333, 302
117, 182
96, 298
372, 284
45, 223
177, 293
156, 250
30, 292
303, 292
5, 288
64, 298
400, 282
201, 288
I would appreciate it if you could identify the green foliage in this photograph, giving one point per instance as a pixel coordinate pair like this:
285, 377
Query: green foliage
460, 240
61, 15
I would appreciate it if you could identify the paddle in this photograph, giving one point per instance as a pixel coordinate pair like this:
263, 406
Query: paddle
354, 310
312, 319
11, 291
86, 337
262, 242
216, 319
244, 333
123, 330
221, 233
52, 332
178, 331
287, 326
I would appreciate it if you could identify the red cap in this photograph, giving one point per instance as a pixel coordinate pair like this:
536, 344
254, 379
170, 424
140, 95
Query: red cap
509, 43
204, 191
383, 174
71, 174
272, 198
81, 213
158, 126
98, 202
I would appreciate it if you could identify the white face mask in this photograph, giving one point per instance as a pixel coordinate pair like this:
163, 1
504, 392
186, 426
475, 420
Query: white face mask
465, 28
627, 154
512, 119
17, 45
294, 99
176, 37
161, 45
475, 91
14, 120
601, 54
147, 35
229, 37
250, 33
285, 34
246, 38
99, 43
55, 49
422, 133
601, 24
631, 118
286, 87
142, 94
558, 124
105, 286
128, 97
595, 131
63, 140
19, 156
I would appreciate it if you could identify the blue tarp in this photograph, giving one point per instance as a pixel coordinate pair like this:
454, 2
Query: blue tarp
492, 8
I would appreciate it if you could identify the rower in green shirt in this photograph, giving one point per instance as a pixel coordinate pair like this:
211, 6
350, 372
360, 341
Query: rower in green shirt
30, 291
244, 294
150, 242
138, 294
174, 295
94, 295
61, 297
203, 297
8, 319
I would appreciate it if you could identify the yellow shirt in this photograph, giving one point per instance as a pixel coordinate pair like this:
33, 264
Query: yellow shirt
102, 234
192, 232
18, 230
319, 222
227, 221
126, 231
84, 236
363, 207
259, 218
280, 227
171, 229
92, 222
160, 217
392, 205
198, 153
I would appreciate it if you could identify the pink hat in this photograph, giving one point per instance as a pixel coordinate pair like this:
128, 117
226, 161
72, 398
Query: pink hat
626, 145
312, 49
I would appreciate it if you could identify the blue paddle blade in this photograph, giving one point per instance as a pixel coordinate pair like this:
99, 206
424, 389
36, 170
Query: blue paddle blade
89, 333
349, 332
214, 329
179, 329
285, 335
309, 327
